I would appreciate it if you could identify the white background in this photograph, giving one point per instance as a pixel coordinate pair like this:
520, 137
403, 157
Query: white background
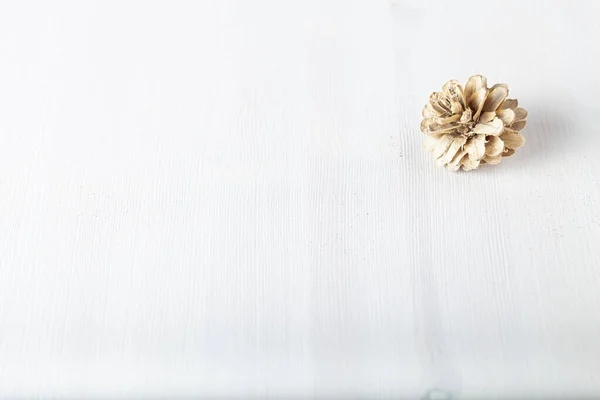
231, 198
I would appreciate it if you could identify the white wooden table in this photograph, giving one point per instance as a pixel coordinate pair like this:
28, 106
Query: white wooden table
230, 198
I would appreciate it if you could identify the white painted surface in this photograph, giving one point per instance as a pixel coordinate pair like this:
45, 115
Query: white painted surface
230, 198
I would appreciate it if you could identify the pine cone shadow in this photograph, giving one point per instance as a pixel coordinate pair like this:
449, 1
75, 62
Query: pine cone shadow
549, 132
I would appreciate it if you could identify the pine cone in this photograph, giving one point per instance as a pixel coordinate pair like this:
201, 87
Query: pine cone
472, 126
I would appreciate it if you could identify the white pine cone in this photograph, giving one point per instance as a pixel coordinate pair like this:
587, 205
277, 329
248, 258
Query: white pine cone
472, 126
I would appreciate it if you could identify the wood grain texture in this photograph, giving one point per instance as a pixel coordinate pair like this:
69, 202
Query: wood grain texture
230, 198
